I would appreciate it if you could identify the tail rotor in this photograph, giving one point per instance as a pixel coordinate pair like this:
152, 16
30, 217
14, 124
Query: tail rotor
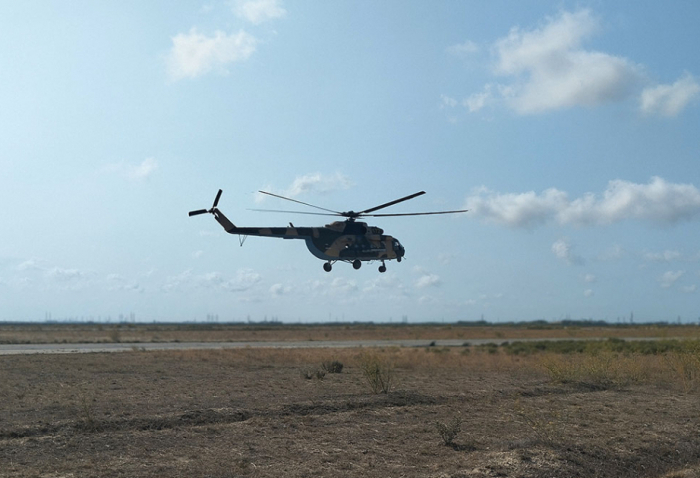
213, 208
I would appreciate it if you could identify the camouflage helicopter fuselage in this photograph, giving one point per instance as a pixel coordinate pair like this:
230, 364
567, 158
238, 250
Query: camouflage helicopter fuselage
348, 240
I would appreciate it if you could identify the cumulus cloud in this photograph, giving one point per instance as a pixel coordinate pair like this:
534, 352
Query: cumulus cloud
665, 256
258, 11
477, 101
63, 275
669, 278
658, 202
447, 101
553, 71
563, 250
278, 290
134, 172
40, 273
244, 280
463, 49
428, 280
117, 282
670, 100
548, 68
315, 182
194, 54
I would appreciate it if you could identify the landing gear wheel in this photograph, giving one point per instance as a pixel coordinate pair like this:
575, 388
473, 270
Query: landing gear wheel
382, 268
356, 264
327, 267
398, 259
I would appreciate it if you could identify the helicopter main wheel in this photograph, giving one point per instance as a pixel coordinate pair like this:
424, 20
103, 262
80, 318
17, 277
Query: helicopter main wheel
327, 267
356, 264
382, 268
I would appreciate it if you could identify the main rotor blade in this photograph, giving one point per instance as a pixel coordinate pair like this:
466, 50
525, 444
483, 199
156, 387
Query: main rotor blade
297, 212
417, 213
299, 202
198, 211
218, 196
376, 208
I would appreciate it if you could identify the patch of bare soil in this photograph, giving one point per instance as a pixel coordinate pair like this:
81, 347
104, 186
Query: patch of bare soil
229, 413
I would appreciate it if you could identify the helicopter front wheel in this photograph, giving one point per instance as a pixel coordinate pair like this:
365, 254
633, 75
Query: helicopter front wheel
327, 267
356, 264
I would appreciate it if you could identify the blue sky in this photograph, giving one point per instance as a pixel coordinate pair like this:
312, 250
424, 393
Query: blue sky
568, 129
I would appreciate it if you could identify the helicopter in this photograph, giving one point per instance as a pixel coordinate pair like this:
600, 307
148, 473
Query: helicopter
347, 241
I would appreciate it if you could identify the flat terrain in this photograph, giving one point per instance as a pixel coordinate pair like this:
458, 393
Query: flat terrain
273, 412
158, 333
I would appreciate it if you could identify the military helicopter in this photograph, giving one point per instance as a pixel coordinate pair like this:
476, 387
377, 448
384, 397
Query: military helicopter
347, 241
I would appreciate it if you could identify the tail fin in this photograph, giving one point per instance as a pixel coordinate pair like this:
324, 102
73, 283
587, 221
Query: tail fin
223, 220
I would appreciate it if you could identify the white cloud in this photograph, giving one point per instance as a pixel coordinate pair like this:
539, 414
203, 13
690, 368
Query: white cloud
589, 278
447, 102
665, 256
428, 280
477, 101
63, 275
563, 250
258, 11
463, 49
658, 201
588, 293
143, 170
116, 282
319, 183
32, 264
516, 210
669, 278
134, 172
612, 253
194, 54
689, 288
244, 280
277, 290
552, 71
670, 100
315, 182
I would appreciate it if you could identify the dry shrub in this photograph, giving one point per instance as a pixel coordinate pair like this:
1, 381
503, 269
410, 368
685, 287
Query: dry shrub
603, 370
378, 372
332, 366
449, 431
685, 366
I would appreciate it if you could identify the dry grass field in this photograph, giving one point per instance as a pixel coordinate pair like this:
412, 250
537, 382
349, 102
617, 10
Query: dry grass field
140, 333
437, 412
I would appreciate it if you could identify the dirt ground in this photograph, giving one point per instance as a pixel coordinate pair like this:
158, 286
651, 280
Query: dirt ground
268, 413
